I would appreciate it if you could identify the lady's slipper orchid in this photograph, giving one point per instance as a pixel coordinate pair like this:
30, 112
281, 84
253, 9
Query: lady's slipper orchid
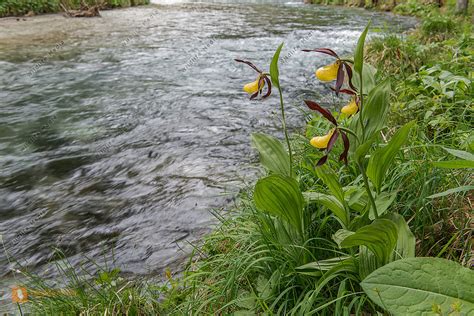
333, 71
256, 87
329, 72
322, 142
327, 141
351, 108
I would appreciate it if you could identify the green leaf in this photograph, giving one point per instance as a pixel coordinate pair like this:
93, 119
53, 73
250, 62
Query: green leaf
359, 52
368, 78
375, 109
406, 240
340, 235
383, 202
280, 196
381, 159
331, 202
380, 237
273, 155
274, 72
454, 164
460, 154
318, 268
418, 286
330, 178
463, 188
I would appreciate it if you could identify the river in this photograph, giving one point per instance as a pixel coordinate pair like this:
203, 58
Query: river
119, 134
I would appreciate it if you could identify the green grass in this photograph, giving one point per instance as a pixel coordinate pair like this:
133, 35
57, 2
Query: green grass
22, 7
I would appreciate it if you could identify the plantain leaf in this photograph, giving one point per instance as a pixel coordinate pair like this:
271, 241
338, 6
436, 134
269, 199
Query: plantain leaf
381, 159
420, 286
331, 202
359, 52
380, 237
330, 178
274, 72
280, 196
273, 155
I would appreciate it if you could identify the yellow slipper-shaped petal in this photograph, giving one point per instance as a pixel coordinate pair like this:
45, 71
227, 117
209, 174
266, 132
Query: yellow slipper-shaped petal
329, 72
321, 142
351, 108
252, 87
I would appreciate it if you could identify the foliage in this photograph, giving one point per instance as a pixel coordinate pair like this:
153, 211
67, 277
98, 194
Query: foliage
21, 7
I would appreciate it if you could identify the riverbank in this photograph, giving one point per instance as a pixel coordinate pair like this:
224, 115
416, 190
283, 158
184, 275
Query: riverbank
247, 267
36, 7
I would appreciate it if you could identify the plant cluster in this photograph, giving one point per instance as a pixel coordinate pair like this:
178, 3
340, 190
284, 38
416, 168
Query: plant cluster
324, 237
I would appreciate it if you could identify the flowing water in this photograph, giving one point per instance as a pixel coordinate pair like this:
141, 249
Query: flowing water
123, 132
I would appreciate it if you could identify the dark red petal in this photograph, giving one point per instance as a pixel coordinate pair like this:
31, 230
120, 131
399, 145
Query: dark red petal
314, 106
322, 161
269, 87
326, 51
345, 139
253, 96
349, 74
248, 63
260, 85
332, 140
340, 79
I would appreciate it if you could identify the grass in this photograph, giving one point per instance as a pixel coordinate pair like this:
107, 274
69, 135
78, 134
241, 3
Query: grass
22, 7
253, 264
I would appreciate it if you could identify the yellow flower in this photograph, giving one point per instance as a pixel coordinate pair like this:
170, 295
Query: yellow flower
329, 72
351, 108
321, 142
252, 87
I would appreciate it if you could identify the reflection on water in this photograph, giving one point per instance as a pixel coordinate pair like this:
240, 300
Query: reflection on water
128, 133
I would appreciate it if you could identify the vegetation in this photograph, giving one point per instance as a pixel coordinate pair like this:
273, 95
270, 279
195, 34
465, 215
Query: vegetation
370, 195
30, 7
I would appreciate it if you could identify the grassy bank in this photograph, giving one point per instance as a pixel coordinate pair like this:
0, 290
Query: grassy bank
33, 7
306, 239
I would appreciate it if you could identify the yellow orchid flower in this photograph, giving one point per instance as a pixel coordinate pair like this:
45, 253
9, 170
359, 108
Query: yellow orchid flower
351, 108
253, 87
329, 72
321, 142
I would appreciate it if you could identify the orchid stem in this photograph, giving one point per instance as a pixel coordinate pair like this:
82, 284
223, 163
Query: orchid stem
367, 188
283, 123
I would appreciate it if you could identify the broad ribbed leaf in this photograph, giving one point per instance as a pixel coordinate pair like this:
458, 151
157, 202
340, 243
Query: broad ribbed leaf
383, 202
382, 158
274, 72
380, 237
273, 155
359, 52
331, 202
333, 265
280, 196
368, 78
340, 235
406, 240
330, 178
375, 109
419, 286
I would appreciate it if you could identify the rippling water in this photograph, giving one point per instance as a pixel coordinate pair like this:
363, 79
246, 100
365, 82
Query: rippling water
122, 132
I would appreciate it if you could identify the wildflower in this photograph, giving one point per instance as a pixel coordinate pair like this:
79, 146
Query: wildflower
334, 71
19, 295
351, 108
255, 88
327, 141
322, 142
